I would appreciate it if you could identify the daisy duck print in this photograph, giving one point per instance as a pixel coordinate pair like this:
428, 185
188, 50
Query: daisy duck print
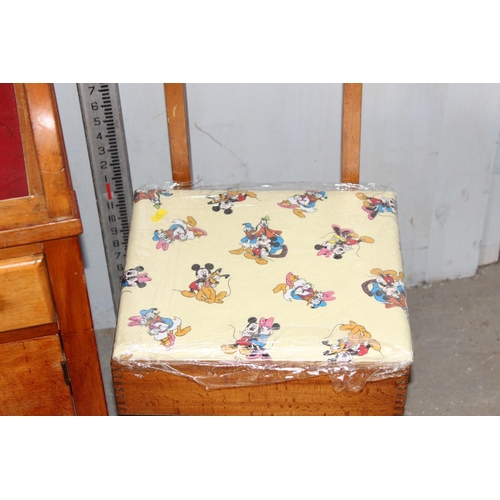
179, 230
163, 329
296, 288
304, 203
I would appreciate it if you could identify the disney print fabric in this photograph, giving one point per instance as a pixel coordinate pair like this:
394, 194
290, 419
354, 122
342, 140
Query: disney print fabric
301, 277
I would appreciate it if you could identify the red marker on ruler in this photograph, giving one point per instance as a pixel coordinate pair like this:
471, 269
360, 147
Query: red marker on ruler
107, 148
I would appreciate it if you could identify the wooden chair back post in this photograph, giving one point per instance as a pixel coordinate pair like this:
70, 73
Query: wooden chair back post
351, 131
178, 131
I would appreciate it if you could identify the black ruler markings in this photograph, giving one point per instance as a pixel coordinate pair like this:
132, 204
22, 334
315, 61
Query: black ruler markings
107, 148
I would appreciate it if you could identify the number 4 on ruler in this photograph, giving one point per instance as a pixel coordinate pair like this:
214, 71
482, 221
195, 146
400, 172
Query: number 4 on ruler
107, 148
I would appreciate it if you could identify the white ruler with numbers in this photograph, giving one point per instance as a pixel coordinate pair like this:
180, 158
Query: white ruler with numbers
107, 148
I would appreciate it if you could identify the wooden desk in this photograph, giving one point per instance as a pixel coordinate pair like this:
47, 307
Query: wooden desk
49, 360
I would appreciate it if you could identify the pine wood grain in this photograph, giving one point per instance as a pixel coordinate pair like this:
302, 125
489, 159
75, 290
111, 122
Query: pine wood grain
178, 131
20, 251
29, 333
49, 144
32, 379
150, 391
51, 209
25, 294
48, 222
29, 149
44, 231
351, 132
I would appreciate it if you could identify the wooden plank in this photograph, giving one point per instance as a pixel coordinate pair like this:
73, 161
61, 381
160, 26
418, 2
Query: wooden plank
32, 379
22, 212
40, 232
9, 253
50, 148
151, 391
30, 156
351, 132
64, 261
29, 333
177, 117
25, 295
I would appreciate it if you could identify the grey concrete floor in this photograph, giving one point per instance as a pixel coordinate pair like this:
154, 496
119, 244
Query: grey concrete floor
456, 340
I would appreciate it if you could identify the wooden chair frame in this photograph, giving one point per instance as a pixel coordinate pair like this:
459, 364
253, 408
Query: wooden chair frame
151, 391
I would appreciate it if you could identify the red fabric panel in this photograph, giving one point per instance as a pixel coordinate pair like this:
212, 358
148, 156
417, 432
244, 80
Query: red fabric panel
13, 180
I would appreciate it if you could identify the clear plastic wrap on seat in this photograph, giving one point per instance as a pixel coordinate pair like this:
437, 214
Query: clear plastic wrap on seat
233, 286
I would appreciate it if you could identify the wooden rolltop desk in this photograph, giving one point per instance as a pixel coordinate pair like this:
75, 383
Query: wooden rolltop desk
49, 363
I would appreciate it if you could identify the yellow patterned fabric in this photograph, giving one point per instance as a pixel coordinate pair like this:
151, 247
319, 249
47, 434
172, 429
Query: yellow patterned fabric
264, 276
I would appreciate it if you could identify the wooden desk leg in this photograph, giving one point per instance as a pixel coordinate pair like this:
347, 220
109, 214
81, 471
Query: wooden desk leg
65, 264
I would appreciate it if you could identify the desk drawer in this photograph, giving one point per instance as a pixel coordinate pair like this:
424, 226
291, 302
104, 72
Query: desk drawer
32, 380
25, 293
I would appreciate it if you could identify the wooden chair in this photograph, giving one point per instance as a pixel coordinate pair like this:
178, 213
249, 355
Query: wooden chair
148, 389
50, 364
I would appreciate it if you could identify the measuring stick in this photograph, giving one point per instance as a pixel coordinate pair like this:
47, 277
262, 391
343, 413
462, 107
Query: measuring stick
103, 123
